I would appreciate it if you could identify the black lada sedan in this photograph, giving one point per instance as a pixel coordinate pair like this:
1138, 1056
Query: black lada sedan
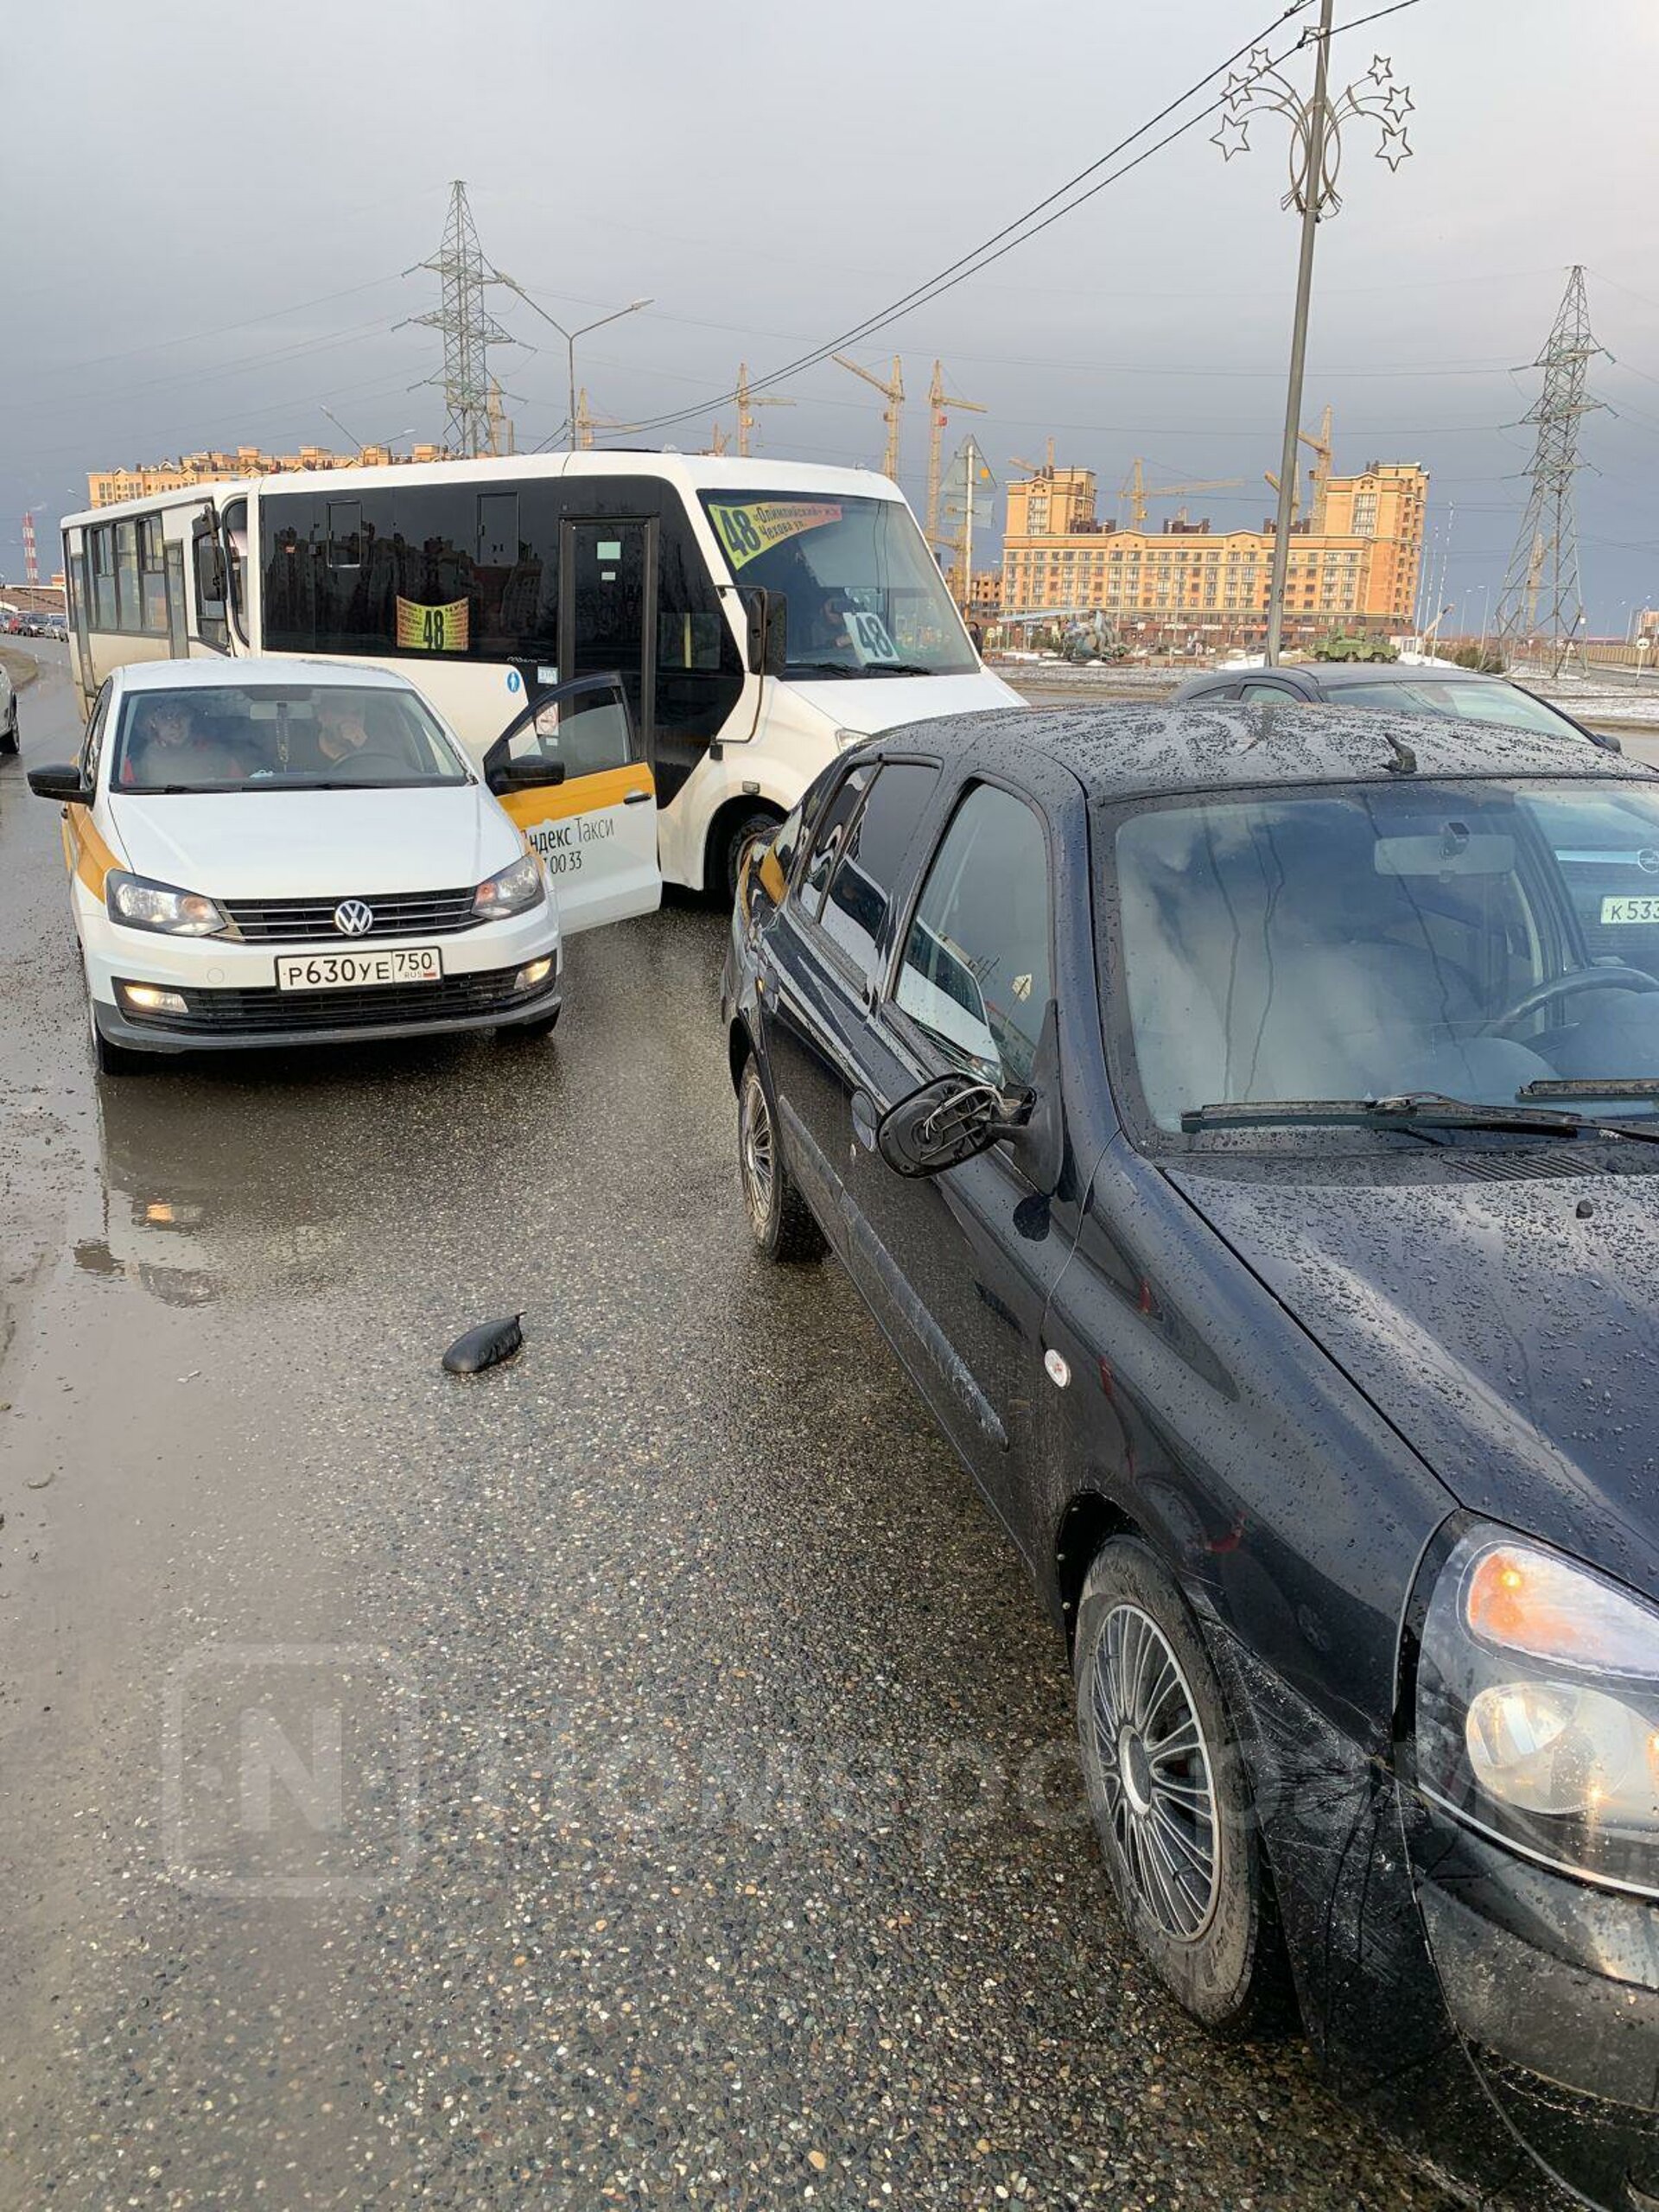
1243, 1123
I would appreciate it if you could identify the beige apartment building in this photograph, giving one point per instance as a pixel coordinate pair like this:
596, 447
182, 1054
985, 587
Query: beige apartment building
106, 487
1355, 557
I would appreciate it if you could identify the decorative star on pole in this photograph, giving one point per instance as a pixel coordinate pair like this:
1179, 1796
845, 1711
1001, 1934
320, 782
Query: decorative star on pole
1263, 84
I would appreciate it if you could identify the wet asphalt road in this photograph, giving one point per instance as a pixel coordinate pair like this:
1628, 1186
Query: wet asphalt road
638, 1777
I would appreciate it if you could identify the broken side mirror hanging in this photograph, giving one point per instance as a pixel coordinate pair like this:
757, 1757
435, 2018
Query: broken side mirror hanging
950, 1119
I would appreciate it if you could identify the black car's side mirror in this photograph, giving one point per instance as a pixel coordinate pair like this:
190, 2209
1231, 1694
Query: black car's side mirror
62, 781
954, 1118
522, 775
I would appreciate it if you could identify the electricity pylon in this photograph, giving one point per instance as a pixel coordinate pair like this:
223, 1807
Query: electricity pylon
469, 330
1540, 595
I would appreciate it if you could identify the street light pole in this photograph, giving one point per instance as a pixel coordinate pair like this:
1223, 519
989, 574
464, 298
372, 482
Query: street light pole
1315, 156
1290, 458
571, 336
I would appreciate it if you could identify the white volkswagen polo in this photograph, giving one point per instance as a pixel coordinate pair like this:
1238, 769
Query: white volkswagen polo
291, 852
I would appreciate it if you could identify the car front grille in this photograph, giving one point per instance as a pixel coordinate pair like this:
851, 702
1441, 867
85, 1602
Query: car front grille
396, 914
275, 1013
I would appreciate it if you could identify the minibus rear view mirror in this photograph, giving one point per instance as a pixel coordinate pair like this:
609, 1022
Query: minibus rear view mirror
766, 641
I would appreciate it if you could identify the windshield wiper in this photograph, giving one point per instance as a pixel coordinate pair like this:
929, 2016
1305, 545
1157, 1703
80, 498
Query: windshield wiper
1420, 1109
1583, 1086
820, 668
1614, 1087
897, 668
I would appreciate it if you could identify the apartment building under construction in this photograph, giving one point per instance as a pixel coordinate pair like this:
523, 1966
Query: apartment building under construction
1355, 556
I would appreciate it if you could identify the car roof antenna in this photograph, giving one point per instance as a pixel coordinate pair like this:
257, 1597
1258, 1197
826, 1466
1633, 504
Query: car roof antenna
1404, 762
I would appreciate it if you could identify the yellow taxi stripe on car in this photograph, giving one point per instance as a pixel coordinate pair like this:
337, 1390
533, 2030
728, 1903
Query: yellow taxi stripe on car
91, 858
580, 795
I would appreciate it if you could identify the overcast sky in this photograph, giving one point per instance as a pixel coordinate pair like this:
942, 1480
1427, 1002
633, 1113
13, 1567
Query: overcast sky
212, 205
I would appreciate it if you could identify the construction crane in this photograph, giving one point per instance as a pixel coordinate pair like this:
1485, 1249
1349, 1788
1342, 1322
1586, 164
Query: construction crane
893, 390
1137, 490
746, 403
939, 402
1035, 467
718, 440
587, 422
1319, 476
500, 436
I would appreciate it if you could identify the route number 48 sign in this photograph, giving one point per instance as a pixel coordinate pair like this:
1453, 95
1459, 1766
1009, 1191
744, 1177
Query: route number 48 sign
870, 637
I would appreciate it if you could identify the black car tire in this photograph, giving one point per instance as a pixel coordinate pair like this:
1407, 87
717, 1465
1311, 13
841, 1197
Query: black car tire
780, 1216
8, 736
760, 824
1219, 1953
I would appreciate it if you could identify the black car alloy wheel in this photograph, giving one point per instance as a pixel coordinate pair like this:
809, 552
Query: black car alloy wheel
1154, 1771
780, 1216
1169, 1797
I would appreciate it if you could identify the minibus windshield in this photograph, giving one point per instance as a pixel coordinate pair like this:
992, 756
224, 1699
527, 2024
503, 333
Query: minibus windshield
863, 596
238, 737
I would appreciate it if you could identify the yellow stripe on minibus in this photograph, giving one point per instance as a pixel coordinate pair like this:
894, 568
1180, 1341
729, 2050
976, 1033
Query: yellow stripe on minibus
579, 795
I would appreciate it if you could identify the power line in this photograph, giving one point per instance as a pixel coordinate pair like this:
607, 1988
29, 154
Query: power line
1001, 242
1024, 227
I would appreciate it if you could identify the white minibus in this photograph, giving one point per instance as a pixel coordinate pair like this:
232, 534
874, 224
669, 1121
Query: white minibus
761, 614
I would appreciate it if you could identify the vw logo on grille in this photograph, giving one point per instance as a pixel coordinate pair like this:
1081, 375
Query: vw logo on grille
354, 918
1647, 861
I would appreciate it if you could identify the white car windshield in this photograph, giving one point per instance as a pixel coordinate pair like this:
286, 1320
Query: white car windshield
1472, 699
236, 737
861, 596
1490, 941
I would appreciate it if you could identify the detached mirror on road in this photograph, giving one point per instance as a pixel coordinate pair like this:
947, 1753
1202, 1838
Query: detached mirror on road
954, 1118
62, 782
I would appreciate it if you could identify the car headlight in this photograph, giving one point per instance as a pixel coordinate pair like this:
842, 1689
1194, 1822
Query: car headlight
1538, 1708
514, 891
142, 905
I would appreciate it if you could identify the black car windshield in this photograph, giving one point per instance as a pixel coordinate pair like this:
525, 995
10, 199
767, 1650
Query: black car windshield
862, 596
265, 737
1468, 699
1489, 942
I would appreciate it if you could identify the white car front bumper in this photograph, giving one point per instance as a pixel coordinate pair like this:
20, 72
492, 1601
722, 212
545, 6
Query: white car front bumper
232, 1000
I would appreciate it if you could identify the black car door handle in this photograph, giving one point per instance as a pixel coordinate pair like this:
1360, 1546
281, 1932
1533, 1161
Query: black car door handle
635, 798
864, 1112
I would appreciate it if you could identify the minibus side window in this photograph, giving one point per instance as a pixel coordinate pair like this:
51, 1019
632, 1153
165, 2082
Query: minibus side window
456, 571
101, 546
